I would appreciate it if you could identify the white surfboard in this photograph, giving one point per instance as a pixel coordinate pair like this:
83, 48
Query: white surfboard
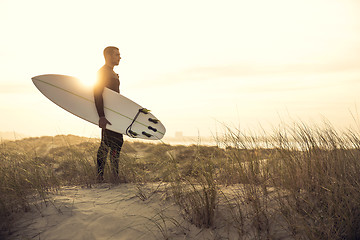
126, 116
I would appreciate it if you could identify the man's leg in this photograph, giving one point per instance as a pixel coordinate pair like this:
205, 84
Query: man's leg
114, 159
115, 154
101, 158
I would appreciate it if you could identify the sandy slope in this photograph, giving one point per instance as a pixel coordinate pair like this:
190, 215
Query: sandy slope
102, 212
126, 211
107, 212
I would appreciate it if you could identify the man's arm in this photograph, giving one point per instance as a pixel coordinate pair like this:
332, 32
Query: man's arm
99, 102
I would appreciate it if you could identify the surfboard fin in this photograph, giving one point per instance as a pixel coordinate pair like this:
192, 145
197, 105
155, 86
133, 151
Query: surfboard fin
146, 134
152, 129
153, 120
144, 110
132, 133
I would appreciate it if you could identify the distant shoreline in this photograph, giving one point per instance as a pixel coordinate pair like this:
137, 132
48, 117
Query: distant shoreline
184, 140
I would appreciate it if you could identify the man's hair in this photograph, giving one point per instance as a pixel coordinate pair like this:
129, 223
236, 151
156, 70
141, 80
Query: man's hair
109, 50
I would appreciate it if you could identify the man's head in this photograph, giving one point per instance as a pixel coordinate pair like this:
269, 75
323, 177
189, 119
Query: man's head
112, 56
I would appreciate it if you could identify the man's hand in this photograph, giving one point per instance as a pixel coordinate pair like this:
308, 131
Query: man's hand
102, 122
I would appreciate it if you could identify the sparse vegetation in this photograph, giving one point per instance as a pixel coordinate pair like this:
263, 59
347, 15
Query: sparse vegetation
298, 182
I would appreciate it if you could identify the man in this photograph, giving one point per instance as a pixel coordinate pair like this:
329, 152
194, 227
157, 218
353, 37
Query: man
107, 78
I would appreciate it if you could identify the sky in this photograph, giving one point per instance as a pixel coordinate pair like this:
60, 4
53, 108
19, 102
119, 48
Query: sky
197, 64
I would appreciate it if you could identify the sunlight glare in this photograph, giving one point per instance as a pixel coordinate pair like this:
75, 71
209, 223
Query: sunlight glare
87, 79
89, 82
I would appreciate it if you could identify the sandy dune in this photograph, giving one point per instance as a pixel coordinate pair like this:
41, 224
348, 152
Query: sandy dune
107, 212
126, 211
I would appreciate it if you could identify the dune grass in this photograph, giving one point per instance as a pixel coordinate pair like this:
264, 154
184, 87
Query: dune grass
307, 175
23, 177
298, 182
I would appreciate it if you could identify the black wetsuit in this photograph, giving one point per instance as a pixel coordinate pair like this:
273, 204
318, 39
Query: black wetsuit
107, 78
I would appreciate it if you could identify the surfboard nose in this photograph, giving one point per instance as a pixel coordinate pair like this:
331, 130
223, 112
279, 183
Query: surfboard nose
37, 78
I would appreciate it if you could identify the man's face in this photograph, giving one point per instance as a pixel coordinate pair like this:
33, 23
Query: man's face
115, 57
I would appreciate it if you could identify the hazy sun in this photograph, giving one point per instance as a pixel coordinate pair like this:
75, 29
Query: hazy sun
86, 79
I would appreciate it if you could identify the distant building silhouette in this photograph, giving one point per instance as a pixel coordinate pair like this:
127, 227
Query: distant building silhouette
179, 135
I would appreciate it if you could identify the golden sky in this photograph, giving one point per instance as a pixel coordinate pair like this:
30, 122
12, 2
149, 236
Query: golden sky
193, 62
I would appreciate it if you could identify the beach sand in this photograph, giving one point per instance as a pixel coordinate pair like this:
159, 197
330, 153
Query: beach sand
107, 212
125, 211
